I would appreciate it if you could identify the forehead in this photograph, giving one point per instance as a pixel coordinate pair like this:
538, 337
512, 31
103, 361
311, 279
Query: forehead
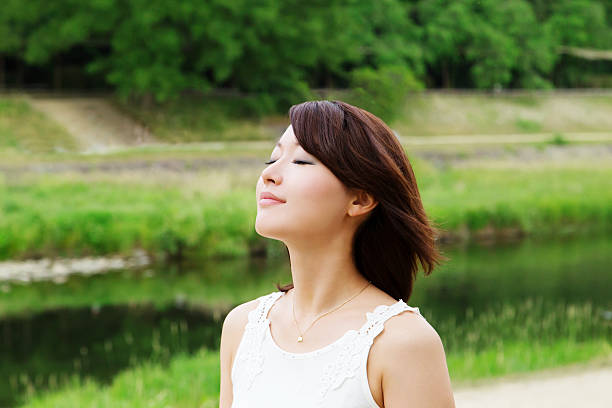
287, 138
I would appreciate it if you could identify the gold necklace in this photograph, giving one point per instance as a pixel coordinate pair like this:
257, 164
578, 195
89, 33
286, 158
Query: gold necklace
300, 337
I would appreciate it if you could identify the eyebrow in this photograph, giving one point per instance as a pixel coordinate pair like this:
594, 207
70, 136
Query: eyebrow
279, 144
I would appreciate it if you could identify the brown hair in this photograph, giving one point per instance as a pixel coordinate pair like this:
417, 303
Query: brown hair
364, 153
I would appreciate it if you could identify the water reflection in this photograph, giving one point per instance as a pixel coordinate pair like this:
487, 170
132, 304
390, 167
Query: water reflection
479, 277
42, 350
482, 298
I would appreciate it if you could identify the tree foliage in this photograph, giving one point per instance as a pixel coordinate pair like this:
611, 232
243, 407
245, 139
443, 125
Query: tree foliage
279, 50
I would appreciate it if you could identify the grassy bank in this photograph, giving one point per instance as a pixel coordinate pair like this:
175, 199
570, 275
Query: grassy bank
221, 118
533, 200
506, 340
76, 218
24, 130
439, 113
429, 113
213, 213
205, 119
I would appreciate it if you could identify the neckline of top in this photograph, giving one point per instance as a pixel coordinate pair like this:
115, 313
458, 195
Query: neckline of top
377, 310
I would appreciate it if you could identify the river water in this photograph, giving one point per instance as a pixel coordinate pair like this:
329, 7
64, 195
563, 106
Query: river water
95, 326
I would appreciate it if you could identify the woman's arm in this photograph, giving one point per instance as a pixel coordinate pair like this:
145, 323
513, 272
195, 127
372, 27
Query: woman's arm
225, 363
231, 334
415, 373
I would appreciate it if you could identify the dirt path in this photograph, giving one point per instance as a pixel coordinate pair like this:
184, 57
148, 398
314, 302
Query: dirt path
563, 388
512, 138
522, 155
93, 122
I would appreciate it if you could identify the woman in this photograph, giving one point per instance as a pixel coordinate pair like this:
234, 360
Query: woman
340, 193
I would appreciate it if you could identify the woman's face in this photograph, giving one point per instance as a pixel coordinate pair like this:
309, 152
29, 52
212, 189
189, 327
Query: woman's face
314, 202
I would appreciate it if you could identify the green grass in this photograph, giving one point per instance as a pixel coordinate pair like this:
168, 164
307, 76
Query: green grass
79, 218
520, 358
533, 335
188, 381
207, 213
535, 201
527, 126
24, 130
558, 139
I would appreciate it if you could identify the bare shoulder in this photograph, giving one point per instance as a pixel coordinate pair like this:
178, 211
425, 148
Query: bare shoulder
237, 318
413, 364
406, 335
409, 329
231, 334
234, 325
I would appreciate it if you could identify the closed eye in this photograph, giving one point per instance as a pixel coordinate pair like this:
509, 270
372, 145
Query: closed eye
295, 161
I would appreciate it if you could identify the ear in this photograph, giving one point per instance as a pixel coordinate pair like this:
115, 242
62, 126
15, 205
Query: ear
362, 202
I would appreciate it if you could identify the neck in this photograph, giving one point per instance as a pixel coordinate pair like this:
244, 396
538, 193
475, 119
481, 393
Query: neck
324, 277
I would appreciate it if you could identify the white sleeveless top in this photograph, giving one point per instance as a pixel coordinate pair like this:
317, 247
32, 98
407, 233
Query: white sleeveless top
264, 375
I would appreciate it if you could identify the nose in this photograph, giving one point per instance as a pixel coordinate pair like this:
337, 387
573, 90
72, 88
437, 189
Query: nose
271, 174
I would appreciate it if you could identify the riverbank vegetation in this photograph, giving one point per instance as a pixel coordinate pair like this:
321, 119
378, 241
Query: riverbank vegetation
486, 344
213, 212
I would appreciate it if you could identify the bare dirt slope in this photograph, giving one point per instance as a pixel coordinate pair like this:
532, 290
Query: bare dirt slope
560, 388
96, 125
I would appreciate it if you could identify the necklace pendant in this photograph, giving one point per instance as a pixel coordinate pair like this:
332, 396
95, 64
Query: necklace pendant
299, 339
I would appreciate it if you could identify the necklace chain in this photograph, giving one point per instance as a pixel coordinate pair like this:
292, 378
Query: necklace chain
300, 337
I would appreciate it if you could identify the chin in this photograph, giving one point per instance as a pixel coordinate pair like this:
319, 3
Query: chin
272, 230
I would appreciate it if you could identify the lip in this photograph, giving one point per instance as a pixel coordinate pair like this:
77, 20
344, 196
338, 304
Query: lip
267, 198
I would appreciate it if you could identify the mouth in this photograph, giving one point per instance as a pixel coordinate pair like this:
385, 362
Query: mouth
264, 202
268, 198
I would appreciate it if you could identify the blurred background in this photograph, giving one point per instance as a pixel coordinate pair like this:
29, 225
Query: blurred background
132, 134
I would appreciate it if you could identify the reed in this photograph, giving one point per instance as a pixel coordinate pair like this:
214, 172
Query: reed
530, 335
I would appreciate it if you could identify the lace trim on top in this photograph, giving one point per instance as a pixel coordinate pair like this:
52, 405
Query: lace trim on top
347, 363
251, 356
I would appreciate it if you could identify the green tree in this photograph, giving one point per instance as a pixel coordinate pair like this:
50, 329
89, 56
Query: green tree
275, 51
578, 23
499, 43
510, 48
383, 91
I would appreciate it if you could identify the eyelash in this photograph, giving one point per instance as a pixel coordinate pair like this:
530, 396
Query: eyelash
295, 161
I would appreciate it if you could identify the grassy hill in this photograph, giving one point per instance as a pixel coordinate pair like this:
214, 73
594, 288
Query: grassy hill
25, 130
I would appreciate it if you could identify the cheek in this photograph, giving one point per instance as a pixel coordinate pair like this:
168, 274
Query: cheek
320, 186
323, 193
